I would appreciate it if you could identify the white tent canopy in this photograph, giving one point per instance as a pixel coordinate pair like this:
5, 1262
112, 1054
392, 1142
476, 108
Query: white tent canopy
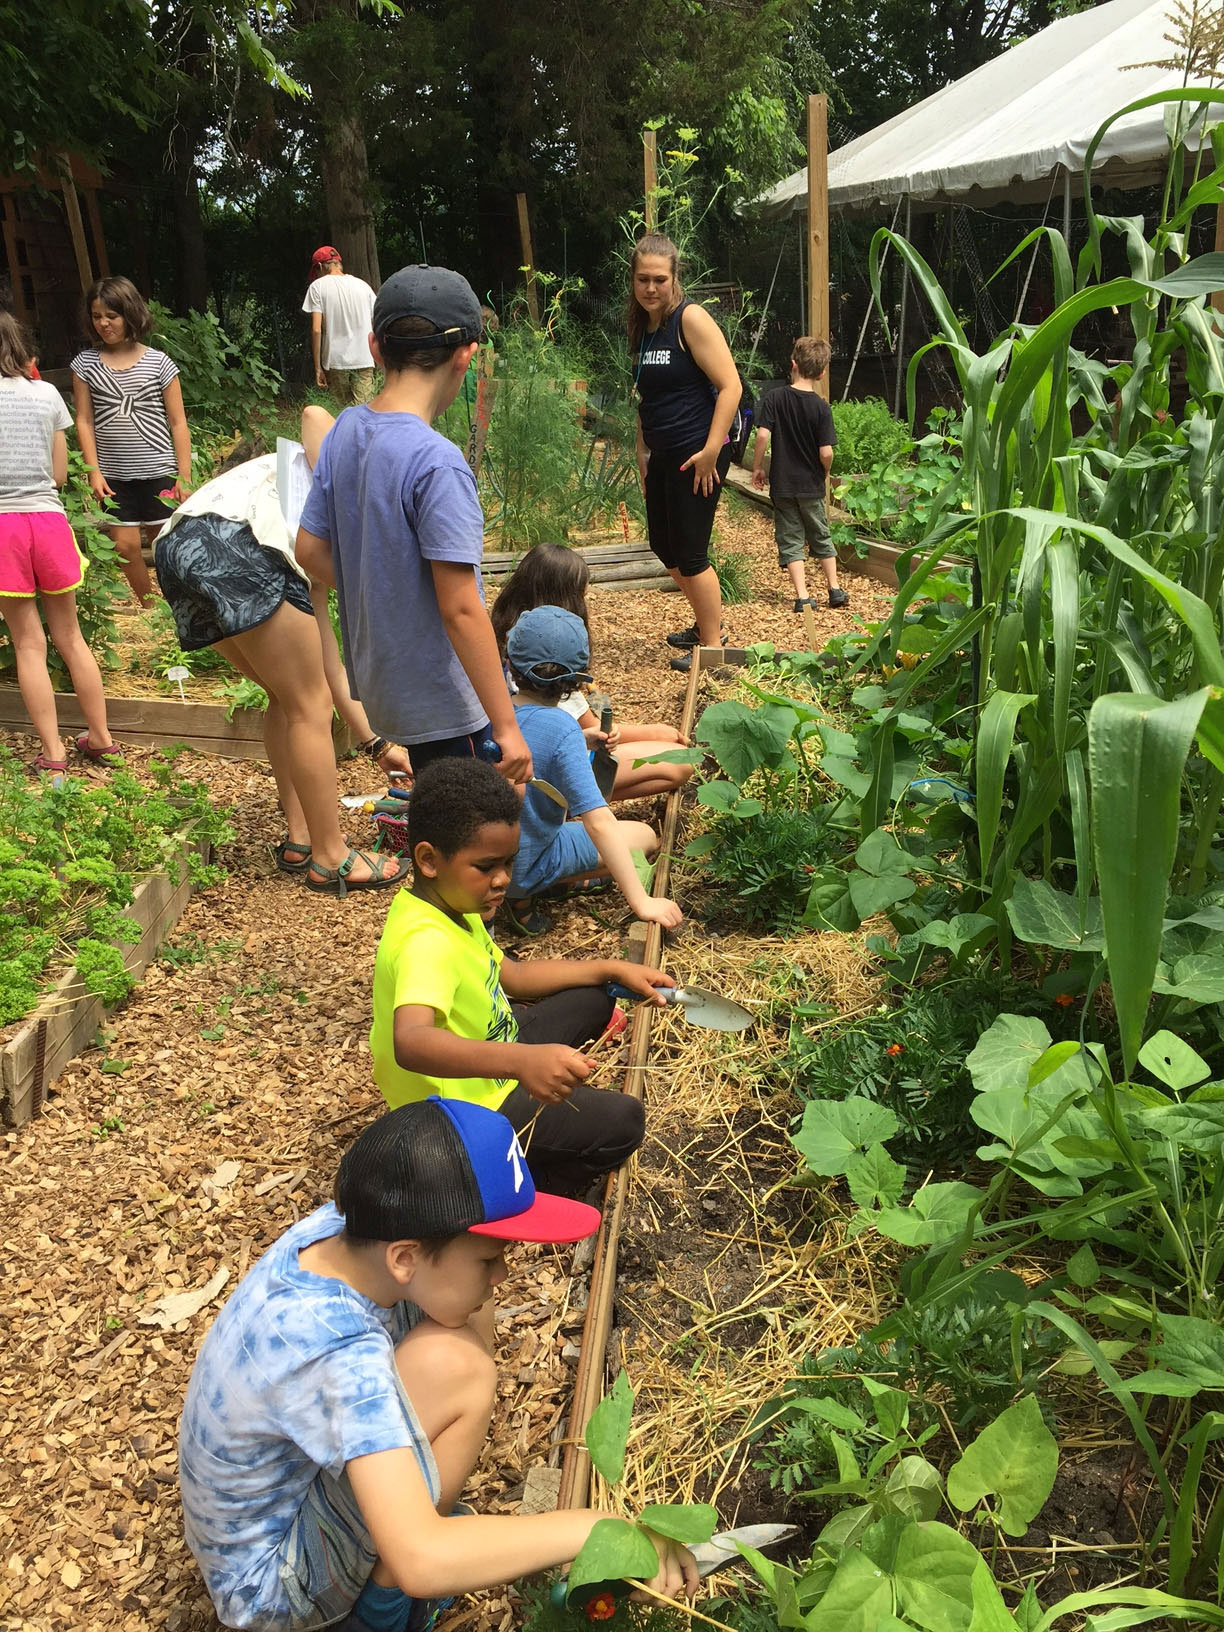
1005, 130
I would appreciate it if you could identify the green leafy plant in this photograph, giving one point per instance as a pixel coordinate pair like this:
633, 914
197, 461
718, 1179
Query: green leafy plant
225, 390
868, 436
68, 866
243, 692
734, 571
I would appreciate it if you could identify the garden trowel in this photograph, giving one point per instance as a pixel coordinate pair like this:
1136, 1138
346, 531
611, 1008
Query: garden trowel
702, 1008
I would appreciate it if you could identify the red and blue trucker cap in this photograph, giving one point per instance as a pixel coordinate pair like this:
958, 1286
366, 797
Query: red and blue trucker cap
440, 1167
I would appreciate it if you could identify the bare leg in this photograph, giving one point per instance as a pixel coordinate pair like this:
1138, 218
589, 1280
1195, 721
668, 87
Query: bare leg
276, 742
450, 1377
30, 649
705, 597
127, 541
797, 574
287, 648
637, 835
348, 708
316, 422
829, 566
644, 781
61, 615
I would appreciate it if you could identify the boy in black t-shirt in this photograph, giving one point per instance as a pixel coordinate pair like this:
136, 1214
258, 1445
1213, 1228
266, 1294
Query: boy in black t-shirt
797, 423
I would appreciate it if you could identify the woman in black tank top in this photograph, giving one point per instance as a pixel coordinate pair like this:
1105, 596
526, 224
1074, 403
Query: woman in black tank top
689, 391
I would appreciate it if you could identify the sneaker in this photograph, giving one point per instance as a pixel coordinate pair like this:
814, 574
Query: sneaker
838, 597
685, 639
682, 665
800, 604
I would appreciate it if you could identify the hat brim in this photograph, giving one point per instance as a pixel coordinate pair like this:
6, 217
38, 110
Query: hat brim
549, 1218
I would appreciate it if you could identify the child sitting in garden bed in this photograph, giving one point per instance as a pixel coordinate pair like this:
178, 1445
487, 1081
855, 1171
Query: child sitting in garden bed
338, 1404
548, 652
445, 1019
555, 575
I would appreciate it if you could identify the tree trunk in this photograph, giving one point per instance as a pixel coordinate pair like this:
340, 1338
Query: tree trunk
330, 44
346, 188
185, 195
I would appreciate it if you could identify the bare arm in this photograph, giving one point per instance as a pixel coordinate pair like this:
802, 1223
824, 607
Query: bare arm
82, 403
605, 834
471, 634
643, 454
316, 342
314, 556
180, 435
527, 981
760, 453
431, 1557
548, 1071
826, 458
59, 458
712, 355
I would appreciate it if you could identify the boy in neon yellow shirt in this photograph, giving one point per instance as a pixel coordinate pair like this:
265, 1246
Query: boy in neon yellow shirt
452, 1018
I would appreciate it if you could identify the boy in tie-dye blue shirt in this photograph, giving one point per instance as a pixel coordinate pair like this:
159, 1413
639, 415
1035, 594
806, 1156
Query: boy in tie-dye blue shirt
337, 1407
296, 1377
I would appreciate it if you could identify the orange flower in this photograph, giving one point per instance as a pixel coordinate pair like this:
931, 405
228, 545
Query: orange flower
1064, 1000
894, 1049
602, 1607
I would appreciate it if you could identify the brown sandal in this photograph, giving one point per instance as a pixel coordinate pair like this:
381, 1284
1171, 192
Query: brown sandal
385, 871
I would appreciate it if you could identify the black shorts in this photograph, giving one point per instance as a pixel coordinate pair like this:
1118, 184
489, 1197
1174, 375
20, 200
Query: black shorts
137, 501
678, 521
221, 581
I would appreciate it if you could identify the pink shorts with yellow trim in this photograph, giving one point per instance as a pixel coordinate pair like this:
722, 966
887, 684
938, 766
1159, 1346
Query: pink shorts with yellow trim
38, 552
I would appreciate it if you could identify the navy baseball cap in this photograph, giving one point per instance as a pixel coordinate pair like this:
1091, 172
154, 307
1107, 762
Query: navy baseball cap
440, 1167
440, 296
549, 637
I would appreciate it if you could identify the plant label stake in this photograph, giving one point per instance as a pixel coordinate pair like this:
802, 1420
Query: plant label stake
179, 673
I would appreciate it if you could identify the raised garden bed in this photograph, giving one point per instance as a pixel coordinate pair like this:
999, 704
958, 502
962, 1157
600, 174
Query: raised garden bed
67, 1019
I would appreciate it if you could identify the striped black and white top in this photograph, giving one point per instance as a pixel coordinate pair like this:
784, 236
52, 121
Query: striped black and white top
130, 424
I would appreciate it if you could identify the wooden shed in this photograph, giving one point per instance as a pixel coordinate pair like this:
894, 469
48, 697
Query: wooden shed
54, 248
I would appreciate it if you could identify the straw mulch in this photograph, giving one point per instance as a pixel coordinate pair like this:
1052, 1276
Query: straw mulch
213, 1114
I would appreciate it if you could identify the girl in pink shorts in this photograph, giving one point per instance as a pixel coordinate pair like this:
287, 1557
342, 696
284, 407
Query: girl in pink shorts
39, 558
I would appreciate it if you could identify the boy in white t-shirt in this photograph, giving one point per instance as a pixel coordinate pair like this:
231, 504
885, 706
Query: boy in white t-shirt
341, 309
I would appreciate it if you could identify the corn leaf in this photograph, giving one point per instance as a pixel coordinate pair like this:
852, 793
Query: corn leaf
1137, 749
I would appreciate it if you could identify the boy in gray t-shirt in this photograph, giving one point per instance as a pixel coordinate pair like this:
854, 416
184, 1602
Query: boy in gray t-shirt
393, 522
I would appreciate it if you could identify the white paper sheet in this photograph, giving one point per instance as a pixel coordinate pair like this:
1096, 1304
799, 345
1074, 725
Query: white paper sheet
293, 481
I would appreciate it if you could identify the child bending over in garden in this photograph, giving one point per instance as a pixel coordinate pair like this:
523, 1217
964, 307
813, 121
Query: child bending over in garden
339, 1402
554, 575
39, 558
547, 652
130, 422
795, 426
453, 1017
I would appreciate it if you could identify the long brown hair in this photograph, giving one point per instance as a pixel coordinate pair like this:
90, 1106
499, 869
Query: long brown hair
548, 575
16, 348
654, 243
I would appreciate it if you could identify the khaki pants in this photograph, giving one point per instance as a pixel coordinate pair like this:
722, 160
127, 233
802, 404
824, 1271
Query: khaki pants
350, 384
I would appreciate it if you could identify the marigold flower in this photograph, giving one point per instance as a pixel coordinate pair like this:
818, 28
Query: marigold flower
602, 1607
894, 1049
1064, 1000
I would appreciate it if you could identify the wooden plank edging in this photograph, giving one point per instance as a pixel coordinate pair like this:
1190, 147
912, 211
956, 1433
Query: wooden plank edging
67, 1019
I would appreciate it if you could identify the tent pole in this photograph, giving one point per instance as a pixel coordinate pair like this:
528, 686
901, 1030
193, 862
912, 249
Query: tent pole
818, 226
901, 322
862, 334
1067, 209
802, 282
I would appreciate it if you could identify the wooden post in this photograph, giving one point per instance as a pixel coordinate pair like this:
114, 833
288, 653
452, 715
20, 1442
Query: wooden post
650, 164
95, 227
818, 224
533, 298
1217, 300
72, 209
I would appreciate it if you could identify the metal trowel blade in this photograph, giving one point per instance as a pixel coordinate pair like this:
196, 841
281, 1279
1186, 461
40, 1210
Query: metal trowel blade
710, 1010
723, 1549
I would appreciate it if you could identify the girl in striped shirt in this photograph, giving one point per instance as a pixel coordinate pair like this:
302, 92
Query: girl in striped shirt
130, 422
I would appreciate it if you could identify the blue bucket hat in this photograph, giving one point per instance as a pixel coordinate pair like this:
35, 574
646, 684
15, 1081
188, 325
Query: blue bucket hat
549, 637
